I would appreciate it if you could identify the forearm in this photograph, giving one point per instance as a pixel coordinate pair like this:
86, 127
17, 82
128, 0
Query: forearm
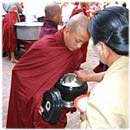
97, 77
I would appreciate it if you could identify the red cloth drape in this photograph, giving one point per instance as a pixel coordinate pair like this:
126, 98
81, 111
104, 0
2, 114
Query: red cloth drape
36, 72
8, 31
76, 10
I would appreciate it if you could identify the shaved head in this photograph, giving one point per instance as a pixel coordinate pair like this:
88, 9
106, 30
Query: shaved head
76, 32
78, 22
52, 9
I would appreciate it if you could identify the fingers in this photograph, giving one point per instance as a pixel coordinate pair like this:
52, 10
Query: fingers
41, 110
83, 116
81, 75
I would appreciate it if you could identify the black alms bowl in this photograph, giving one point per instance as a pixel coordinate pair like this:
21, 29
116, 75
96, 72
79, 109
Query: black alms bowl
70, 87
63, 94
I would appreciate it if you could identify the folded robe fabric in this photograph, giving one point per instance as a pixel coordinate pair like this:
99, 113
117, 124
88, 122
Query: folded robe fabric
36, 72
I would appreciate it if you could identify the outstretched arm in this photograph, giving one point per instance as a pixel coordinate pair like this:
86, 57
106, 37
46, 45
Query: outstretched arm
95, 77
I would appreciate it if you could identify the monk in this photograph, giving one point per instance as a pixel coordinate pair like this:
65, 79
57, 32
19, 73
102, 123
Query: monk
40, 68
9, 41
51, 20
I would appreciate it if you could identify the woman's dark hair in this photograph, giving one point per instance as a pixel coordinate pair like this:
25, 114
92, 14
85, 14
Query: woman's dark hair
111, 27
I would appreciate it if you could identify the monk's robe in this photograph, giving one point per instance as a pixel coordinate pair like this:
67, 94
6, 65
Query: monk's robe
36, 72
75, 11
49, 27
100, 68
8, 31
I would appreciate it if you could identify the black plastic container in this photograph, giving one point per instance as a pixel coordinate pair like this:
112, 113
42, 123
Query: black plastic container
70, 92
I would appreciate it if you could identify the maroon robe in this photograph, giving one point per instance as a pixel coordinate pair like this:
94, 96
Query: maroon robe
8, 31
36, 72
49, 27
77, 10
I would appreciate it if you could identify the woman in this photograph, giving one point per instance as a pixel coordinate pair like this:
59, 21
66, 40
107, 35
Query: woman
107, 105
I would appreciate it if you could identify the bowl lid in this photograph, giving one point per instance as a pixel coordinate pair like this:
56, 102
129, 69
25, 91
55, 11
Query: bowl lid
52, 104
70, 79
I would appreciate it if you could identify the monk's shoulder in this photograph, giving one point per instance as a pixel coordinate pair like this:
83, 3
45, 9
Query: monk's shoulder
46, 41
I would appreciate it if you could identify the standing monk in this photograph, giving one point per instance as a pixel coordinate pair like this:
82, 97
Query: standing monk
51, 20
40, 68
8, 33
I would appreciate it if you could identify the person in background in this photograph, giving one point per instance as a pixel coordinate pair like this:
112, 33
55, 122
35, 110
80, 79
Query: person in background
124, 4
7, 6
95, 7
107, 104
80, 7
67, 8
106, 4
51, 20
40, 68
9, 42
21, 15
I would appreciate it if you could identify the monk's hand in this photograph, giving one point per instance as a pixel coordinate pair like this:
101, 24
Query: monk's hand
81, 75
83, 116
41, 110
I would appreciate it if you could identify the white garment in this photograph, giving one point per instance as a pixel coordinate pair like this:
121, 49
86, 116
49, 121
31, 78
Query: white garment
66, 12
108, 102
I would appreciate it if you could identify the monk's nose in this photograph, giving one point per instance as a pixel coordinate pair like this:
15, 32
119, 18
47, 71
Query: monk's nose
79, 45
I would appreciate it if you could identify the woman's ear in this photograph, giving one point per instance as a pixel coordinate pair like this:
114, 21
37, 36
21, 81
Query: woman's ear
106, 51
103, 48
100, 45
101, 51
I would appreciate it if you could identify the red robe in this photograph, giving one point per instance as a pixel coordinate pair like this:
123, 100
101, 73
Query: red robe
36, 72
76, 11
8, 31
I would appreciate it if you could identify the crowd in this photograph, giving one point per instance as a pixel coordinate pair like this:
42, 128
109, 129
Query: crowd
61, 51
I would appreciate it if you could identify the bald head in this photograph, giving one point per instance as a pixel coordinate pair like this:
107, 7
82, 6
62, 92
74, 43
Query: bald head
78, 22
52, 9
53, 12
76, 32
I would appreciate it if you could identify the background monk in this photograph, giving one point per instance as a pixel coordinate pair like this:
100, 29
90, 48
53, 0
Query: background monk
51, 20
8, 32
40, 68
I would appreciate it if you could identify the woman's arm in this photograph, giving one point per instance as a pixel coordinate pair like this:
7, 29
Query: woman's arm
84, 77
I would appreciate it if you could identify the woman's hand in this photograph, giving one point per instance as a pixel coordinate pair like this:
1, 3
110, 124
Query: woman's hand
81, 75
91, 77
83, 116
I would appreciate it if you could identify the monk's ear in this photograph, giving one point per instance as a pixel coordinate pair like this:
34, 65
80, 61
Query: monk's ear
66, 30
